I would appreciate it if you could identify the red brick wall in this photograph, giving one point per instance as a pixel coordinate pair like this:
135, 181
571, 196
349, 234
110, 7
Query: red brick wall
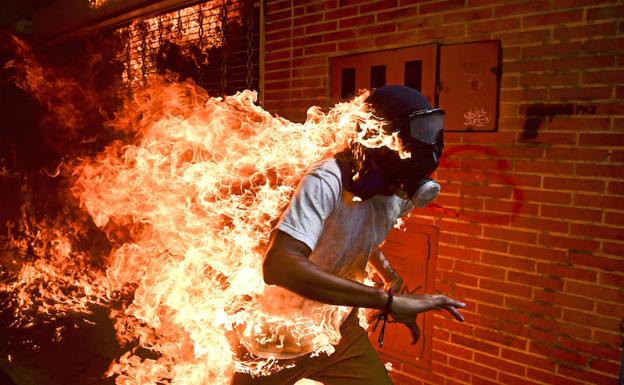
532, 228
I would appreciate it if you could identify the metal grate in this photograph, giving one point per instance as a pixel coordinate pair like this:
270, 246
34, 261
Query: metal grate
214, 42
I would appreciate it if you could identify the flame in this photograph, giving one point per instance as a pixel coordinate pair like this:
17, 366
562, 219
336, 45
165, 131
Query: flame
187, 200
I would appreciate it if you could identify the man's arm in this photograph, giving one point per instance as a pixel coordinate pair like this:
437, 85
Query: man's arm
382, 266
286, 264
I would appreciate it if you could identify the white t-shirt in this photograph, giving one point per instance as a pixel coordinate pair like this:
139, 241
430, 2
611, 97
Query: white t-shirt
341, 233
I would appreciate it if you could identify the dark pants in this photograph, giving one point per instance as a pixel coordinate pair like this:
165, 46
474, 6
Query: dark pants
354, 362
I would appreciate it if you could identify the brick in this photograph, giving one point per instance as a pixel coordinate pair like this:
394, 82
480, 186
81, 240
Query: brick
610, 12
396, 14
566, 123
527, 94
577, 3
505, 288
585, 93
522, 7
435, 33
508, 262
557, 354
553, 18
573, 301
586, 31
568, 242
611, 337
566, 272
476, 295
503, 192
517, 207
604, 366
537, 310
592, 348
616, 187
542, 224
452, 350
583, 62
321, 27
549, 79
377, 29
494, 25
592, 185
513, 380
608, 279
603, 77
466, 16
473, 368
556, 50
554, 283
544, 167
318, 6
586, 376
577, 154
510, 235
462, 228
277, 45
441, 6
479, 270
484, 244
614, 219
356, 21
569, 212
598, 262
308, 19
594, 291
550, 378
610, 309
600, 232
551, 138
356, 44
341, 13
609, 109
601, 140
602, 201
603, 44
339, 35
474, 344
528, 359
378, 6
546, 196
323, 48
617, 156
457, 278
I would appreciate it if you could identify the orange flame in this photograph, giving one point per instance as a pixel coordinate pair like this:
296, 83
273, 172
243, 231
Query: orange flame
199, 190
187, 200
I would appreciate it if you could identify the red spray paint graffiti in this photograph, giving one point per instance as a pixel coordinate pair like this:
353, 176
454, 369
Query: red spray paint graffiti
502, 166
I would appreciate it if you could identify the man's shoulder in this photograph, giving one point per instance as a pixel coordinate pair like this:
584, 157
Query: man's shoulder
328, 171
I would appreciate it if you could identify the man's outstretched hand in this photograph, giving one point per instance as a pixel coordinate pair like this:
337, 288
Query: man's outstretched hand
405, 308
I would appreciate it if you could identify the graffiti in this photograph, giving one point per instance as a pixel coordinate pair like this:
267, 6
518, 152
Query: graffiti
536, 114
476, 117
502, 166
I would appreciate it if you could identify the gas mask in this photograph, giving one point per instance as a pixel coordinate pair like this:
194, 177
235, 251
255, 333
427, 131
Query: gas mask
420, 129
424, 140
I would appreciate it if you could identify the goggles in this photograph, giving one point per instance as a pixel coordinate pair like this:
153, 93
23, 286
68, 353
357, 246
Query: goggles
425, 126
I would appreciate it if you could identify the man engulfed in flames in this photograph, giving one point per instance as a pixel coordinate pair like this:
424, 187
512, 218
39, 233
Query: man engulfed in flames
341, 212
188, 196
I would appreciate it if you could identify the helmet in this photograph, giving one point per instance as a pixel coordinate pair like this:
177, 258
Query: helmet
420, 128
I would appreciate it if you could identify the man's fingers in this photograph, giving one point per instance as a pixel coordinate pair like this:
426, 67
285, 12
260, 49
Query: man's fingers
415, 331
455, 313
444, 301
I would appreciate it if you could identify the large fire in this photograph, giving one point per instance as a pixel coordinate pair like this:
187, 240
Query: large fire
187, 200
